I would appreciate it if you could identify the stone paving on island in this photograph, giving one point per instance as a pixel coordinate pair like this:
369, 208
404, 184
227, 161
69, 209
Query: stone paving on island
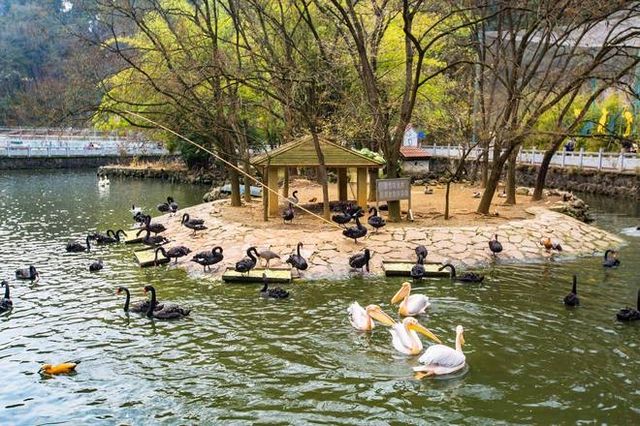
327, 250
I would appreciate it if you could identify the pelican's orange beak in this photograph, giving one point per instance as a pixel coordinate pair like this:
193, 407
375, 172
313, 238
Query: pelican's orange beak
379, 315
424, 331
401, 294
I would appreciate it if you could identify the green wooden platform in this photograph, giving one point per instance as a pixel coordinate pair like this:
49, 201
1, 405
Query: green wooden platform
274, 275
401, 268
131, 236
146, 257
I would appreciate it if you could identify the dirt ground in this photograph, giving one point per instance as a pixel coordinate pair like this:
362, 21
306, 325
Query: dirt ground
428, 209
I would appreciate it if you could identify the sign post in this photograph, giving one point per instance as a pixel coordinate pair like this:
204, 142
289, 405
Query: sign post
394, 190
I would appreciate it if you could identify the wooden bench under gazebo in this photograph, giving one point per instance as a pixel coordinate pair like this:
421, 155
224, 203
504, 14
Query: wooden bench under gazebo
302, 153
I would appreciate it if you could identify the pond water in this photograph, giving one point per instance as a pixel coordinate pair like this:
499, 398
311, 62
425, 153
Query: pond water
241, 359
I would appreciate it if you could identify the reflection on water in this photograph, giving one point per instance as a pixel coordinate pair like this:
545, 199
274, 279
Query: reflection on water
240, 358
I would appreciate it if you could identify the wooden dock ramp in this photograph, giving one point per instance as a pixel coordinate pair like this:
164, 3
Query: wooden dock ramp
131, 236
274, 275
146, 257
401, 268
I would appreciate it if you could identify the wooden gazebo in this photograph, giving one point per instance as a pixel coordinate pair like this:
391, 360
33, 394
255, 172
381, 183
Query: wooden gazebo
302, 153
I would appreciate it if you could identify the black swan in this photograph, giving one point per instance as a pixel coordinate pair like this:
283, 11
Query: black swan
110, 238
268, 256
294, 198
76, 247
610, 262
29, 273
138, 306
422, 251
297, 261
248, 263
169, 207
341, 218
355, 232
208, 258
465, 277
156, 228
96, 266
417, 271
166, 310
139, 218
274, 293
374, 220
288, 214
193, 224
360, 260
173, 252
572, 299
550, 245
152, 240
494, 245
630, 314
6, 303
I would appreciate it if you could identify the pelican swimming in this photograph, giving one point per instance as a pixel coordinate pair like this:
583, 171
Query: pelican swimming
440, 359
404, 335
410, 304
362, 318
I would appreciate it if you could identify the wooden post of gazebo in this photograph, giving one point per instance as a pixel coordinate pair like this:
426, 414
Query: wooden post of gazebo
362, 187
301, 153
342, 184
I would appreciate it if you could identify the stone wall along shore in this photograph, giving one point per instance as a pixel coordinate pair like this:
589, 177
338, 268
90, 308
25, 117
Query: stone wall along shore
327, 251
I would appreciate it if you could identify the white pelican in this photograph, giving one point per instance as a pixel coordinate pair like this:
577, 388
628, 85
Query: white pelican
404, 336
441, 359
412, 304
362, 318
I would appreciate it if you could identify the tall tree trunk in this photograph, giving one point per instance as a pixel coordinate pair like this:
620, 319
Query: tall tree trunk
511, 178
234, 178
541, 177
492, 184
322, 175
484, 176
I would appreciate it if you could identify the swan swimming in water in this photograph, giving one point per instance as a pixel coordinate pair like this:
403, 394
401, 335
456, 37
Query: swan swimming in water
166, 310
572, 299
630, 314
29, 273
273, 293
6, 303
76, 247
611, 259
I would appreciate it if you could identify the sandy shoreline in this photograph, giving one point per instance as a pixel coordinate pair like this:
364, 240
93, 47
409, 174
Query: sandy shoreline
327, 251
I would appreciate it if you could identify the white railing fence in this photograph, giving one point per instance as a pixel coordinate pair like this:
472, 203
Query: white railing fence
591, 160
74, 143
